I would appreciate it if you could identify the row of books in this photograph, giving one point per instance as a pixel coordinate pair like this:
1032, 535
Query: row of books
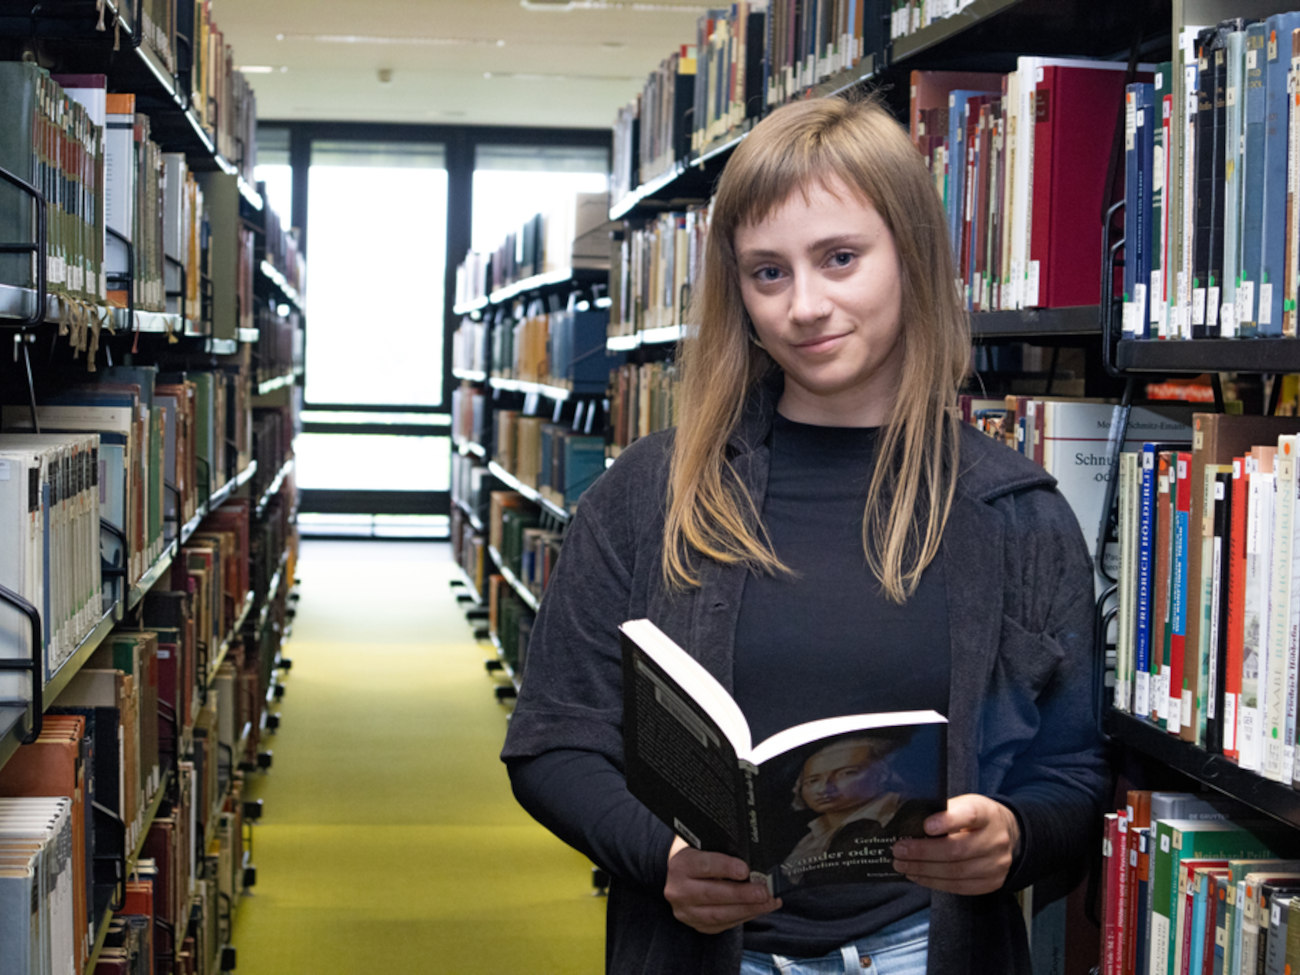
1206, 644
555, 460
571, 234
745, 58
54, 143
562, 348
50, 512
188, 42
1197, 884
641, 401
1211, 220
469, 551
651, 282
166, 711
728, 86
281, 346
1021, 161
909, 16
510, 623
1073, 439
167, 441
107, 186
471, 415
223, 101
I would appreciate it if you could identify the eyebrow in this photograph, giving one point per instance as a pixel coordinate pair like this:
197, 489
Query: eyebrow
825, 243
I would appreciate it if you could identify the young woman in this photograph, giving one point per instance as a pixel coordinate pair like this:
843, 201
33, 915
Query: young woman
827, 537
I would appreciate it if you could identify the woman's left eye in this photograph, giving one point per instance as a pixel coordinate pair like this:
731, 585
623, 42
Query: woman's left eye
842, 258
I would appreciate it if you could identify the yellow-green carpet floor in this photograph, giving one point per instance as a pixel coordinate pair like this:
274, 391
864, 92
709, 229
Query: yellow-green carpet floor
390, 841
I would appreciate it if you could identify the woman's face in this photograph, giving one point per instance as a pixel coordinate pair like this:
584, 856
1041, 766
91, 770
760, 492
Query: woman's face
841, 778
820, 279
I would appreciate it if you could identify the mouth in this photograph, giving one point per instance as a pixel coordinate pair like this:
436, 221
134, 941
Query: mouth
818, 344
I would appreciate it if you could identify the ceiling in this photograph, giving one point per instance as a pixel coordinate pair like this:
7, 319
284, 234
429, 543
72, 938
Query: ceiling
550, 63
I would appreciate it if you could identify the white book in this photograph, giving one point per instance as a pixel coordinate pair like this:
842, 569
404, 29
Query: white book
20, 915
24, 564
47, 822
1255, 648
1277, 764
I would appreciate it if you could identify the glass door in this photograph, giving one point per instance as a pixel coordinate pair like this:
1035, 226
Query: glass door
374, 457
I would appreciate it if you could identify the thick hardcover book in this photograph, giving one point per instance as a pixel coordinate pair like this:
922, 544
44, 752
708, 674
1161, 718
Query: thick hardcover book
1072, 105
818, 803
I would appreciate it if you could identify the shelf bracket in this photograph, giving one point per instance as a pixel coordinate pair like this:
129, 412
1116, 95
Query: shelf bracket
32, 665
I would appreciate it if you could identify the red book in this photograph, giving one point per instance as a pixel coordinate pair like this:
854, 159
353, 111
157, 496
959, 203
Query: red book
1110, 863
1160, 576
1076, 109
1137, 820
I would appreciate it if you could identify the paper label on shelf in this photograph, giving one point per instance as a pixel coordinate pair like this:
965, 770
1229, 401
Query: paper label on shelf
1246, 301
1142, 694
1228, 320
1266, 303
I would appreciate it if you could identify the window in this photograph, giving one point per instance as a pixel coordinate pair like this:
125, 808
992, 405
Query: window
512, 183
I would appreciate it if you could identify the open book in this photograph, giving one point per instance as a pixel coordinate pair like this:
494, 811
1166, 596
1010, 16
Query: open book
822, 802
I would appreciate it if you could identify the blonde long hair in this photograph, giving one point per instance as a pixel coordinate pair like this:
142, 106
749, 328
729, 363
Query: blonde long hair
710, 513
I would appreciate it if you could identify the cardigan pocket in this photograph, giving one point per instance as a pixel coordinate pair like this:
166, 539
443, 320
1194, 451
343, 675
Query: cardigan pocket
1023, 668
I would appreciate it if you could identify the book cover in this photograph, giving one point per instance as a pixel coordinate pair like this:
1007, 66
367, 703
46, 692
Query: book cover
1071, 106
819, 803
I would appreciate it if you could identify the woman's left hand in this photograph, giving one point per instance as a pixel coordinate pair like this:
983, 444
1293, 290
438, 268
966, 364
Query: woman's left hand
969, 848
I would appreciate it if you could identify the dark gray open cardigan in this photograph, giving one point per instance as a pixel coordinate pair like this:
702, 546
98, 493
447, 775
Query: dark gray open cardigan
1020, 598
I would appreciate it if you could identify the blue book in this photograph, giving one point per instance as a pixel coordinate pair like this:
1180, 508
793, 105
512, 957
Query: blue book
1277, 63
1138, 148
956, 188
1252, 182
1146, 543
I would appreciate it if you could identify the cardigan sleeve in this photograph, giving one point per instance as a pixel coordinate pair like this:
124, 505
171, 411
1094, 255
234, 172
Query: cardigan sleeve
564, 746
1057, 782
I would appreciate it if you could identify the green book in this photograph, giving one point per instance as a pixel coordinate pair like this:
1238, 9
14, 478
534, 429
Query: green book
21, 82
1179, 839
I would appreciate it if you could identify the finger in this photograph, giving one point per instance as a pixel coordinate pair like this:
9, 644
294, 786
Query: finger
963, 812
705, 865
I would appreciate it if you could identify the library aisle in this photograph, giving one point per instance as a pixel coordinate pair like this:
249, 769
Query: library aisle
389, 840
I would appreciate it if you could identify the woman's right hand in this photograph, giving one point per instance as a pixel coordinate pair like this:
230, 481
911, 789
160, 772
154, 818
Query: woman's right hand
712, 892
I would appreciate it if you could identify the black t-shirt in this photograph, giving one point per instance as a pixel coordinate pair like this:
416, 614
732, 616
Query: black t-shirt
826, 641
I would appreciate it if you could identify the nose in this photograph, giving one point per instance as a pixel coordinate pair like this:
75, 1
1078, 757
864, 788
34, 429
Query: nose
808, 302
